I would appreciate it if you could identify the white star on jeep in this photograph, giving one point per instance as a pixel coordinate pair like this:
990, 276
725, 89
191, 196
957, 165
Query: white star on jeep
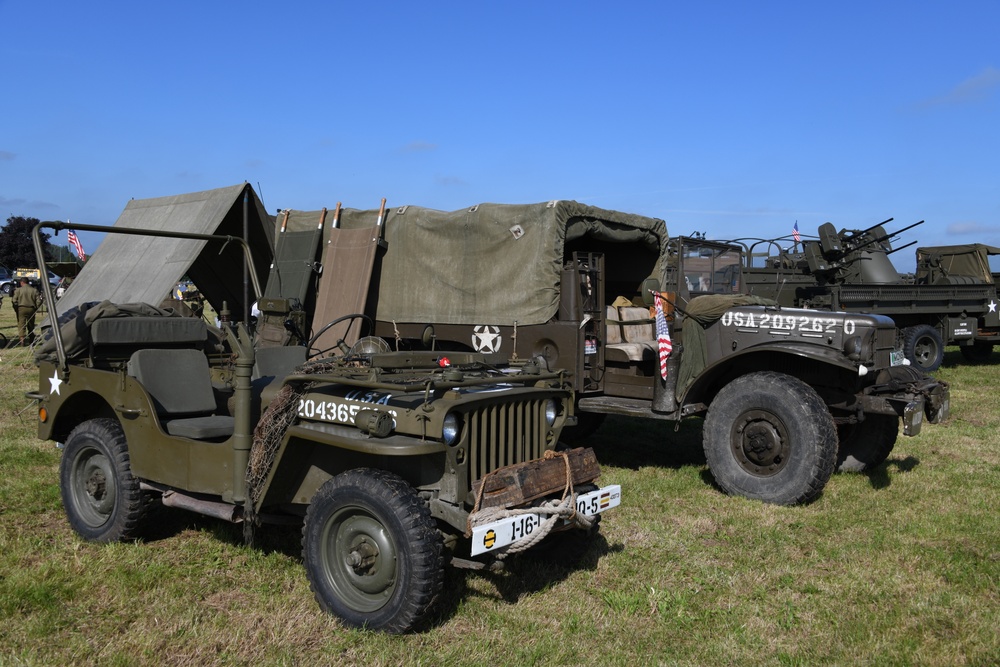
993, 306
54, 381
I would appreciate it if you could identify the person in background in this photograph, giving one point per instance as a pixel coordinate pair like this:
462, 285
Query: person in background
26, 302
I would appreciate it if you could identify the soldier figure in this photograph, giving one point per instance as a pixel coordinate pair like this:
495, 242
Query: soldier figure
26, 302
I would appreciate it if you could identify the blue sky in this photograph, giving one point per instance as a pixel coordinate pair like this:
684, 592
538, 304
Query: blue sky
732, 118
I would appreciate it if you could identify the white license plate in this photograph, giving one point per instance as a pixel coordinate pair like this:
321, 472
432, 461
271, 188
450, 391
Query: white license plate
500, 533
897, 358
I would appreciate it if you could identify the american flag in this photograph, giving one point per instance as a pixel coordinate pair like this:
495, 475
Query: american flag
74, 241
662, 335
795, 232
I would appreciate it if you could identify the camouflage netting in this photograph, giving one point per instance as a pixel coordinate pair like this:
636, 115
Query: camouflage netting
267, 436
706, 311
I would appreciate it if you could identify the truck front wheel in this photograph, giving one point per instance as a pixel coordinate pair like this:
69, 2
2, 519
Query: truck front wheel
769, 437
866, 444
102, 499
372, 551
923, 346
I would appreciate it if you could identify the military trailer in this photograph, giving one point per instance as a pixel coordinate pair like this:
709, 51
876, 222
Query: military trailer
788, 395
947, 302
395, 463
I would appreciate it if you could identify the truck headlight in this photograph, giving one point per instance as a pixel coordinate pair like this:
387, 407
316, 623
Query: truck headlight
451, 428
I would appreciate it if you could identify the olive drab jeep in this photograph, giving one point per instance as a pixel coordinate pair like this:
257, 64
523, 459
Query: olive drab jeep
395, 463
788, 395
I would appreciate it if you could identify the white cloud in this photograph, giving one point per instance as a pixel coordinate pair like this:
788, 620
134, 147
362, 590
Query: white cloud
969, 91
419, 147
968, 228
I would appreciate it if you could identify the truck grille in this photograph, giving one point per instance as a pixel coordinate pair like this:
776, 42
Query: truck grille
504, 434
885, 343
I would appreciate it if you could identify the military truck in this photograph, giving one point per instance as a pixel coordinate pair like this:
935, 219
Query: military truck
394, 462
850, 270
787, 395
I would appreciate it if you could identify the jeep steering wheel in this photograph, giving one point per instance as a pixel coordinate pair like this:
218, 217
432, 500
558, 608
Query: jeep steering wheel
340, 341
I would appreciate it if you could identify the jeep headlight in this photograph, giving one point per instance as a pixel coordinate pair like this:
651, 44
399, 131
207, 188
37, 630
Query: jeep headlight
551, 411
451, 429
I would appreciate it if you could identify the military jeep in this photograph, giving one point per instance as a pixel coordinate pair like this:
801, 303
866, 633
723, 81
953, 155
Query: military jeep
394, 463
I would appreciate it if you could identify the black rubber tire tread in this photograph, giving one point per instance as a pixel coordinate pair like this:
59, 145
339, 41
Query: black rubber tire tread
120, 523
419, 575
866, 445
977, 353
921, 335
812, 438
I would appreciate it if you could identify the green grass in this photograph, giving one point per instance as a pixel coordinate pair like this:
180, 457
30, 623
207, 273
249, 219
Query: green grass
897, 567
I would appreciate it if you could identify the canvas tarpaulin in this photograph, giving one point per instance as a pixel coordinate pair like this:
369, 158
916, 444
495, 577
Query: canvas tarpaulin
969, 260
129, 268
493, 263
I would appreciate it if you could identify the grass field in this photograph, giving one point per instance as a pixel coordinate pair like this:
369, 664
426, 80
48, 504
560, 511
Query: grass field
897, 567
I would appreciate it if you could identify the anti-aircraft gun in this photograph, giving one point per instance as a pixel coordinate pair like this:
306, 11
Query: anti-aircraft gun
850, 270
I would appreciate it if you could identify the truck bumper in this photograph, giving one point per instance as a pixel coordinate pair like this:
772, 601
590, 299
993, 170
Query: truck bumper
911, 395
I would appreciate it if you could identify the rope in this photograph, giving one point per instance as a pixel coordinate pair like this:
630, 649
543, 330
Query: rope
562, 509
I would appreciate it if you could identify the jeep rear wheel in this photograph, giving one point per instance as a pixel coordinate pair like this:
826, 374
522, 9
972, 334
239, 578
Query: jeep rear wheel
372, 551
769, 436
102, 499
866, 444
923, 346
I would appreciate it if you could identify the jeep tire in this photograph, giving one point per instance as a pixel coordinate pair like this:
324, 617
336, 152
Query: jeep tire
372, 551
769, 437
102, 499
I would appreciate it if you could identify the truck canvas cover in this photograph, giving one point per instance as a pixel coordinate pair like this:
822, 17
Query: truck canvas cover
970, 260
495, 263
132, 269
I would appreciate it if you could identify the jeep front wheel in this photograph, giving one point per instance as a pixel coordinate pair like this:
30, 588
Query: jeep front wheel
372, 551
866, 444
769, 436
102, 499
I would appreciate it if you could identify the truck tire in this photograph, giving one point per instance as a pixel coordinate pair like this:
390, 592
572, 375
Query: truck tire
372, 551
769, 437
977, 353
867, 444
923, 346
102, 499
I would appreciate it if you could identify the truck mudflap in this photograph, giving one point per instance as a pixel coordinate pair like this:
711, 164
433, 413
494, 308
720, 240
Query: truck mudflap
518, 506
908, 392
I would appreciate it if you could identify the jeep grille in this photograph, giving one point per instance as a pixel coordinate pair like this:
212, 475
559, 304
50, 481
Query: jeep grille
503, 434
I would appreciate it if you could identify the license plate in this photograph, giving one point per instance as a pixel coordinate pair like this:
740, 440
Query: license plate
897, 358
506, 531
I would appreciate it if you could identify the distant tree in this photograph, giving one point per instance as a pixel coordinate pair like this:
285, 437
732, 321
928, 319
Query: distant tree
17, 251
